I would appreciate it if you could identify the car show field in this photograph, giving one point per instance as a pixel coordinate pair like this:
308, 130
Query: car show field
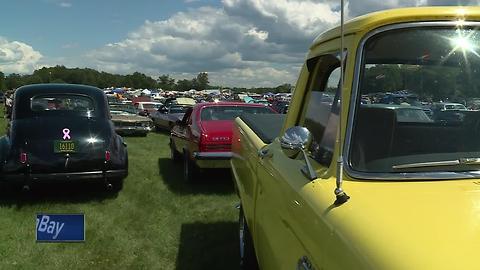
157, 221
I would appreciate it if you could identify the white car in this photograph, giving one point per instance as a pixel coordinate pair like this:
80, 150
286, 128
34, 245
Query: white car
450, 107
145, 108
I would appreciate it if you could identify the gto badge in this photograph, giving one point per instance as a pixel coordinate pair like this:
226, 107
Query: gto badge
66, 134
220, 138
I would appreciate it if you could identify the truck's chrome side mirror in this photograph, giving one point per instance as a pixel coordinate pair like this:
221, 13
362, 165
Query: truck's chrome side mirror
294, 140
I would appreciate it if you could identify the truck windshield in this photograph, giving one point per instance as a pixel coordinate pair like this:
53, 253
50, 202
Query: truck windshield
418, 106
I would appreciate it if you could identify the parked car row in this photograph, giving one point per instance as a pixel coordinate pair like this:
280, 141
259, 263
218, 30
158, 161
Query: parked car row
128, 122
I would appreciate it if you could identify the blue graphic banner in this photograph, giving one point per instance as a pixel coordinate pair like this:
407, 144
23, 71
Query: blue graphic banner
60, 228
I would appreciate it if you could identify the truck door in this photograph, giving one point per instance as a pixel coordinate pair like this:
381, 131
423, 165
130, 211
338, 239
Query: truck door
287, 229
244, 166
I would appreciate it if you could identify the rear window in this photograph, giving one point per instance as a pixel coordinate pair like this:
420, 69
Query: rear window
412, 115
148, 106
63, 104
229, 112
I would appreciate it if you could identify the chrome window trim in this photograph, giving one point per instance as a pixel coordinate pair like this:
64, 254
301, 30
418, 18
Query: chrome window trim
439, 175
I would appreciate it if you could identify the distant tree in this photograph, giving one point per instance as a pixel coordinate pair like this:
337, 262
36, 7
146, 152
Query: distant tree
2, 81
43, 73
139, 80
58, 80
166, 83
201, 82
284, 88
33, 79
13, 81
184, 85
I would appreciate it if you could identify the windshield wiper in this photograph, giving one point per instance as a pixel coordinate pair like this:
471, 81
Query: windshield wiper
460, 161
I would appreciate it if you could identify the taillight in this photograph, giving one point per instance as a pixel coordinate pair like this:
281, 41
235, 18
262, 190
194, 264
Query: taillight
23, 158
107, 155
201, 143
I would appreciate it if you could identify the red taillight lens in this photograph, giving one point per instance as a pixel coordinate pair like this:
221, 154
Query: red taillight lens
202, 141
107, 155
23, 158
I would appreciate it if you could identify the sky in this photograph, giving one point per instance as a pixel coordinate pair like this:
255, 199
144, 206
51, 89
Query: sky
243, 43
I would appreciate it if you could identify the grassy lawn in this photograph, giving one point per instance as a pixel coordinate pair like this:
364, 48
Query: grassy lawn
156, 222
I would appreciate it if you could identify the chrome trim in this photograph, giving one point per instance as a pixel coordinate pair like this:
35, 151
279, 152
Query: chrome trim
132, 128
352, 107
427, 164
212, 155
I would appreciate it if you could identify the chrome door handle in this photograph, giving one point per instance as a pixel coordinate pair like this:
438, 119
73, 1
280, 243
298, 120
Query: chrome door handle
304, 264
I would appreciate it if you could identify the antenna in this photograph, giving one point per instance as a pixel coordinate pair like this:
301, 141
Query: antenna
342, 197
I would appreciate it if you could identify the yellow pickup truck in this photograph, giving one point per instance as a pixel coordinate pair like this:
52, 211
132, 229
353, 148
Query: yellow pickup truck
371, 175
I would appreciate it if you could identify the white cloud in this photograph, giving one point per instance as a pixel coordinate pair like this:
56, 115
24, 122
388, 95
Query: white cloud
250, 35
254, 77
245, 42
17, 57
263, 35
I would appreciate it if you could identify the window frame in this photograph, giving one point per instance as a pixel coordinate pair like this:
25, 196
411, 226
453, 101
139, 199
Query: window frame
354, 101
317, 79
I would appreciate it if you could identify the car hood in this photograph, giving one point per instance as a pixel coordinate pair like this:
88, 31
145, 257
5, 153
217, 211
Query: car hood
219, 130
178, 116
398, 225
130, 118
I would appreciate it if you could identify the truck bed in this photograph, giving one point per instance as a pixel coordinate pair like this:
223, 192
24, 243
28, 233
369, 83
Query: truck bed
266, 126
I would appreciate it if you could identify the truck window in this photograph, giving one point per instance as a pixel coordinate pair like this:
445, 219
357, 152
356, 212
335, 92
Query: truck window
431, 73
321, 112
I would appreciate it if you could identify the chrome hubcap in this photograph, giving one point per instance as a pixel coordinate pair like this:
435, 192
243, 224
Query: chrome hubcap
242, 237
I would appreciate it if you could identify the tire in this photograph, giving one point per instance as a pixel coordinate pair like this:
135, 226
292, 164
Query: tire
174, 155
190, 170
248, 259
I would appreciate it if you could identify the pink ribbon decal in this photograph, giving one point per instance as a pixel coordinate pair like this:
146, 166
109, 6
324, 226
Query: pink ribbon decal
66, 134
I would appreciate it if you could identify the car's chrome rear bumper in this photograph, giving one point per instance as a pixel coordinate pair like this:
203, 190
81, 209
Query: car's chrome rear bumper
208, 160
212, 155
71, 176
132, 130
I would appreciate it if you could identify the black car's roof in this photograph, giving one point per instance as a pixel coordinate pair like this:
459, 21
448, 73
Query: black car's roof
24, 93
52, 88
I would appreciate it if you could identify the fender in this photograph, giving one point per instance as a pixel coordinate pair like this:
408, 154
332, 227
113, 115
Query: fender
5, 145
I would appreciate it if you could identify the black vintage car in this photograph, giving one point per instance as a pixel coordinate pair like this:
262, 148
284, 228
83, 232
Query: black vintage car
62, 132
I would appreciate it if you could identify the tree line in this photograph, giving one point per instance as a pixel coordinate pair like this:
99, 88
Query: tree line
136, 80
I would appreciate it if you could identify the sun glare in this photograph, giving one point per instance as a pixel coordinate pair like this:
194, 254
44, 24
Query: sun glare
463, 43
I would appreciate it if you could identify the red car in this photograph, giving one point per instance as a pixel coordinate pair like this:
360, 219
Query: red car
203, 138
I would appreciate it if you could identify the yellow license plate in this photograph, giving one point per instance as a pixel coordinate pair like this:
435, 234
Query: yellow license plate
64, 146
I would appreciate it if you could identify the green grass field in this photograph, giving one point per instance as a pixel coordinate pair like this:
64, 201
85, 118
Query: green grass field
156, 222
